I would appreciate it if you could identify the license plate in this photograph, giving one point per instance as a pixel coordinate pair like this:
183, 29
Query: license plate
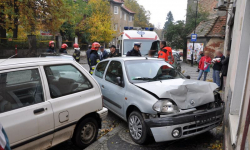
205, 118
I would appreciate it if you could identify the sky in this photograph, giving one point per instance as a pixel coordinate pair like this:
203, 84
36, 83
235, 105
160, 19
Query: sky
160, 8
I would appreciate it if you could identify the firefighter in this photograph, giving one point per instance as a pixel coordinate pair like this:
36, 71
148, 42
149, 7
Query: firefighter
136, 50
63, 48
166, 53
51, 47
77, 52
94, 57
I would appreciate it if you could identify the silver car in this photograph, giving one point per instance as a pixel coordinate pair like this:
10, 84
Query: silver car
157, 100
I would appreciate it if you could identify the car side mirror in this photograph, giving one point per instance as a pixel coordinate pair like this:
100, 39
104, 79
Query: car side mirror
188, 77
119, 81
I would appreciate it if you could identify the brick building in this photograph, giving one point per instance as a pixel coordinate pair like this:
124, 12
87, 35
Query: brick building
211, 33
121, 17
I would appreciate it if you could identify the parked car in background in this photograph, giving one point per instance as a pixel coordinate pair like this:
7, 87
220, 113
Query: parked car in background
46, 101
156, 99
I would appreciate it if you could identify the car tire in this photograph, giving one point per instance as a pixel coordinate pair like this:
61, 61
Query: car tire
137, 128
86, 133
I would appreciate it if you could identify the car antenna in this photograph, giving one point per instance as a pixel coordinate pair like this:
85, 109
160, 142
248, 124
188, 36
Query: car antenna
8, 58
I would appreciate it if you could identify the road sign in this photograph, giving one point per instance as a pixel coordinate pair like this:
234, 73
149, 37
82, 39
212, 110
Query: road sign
193, 37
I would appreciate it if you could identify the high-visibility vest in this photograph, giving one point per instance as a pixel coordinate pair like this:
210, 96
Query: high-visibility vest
166, 54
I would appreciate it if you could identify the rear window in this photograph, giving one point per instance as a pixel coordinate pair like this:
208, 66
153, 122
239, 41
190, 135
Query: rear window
99, 72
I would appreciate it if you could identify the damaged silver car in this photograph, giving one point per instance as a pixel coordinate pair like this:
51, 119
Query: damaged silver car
157, 100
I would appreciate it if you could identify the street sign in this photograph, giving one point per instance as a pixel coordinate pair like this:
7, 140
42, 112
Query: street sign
193, 37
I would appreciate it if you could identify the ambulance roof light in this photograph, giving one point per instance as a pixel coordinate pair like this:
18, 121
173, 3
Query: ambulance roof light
125, 28
151, 29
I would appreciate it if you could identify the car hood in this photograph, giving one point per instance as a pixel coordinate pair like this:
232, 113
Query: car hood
185, 93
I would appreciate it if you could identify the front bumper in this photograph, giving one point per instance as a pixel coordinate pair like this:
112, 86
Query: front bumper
188, 124
103, 113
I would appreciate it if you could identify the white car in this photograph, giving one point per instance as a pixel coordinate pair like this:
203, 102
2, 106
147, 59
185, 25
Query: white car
46, 101
157, 100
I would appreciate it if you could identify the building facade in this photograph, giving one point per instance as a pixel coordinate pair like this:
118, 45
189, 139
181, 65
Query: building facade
237, 90
121, 17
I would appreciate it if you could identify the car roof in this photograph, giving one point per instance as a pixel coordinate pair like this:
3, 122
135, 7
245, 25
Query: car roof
133, 58
36, 60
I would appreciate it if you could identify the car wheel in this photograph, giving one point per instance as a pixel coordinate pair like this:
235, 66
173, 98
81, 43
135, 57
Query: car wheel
137, 128
85, 133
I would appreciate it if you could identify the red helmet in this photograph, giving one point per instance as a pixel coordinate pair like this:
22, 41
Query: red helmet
51, 42
76, 45
64, 46
95, 46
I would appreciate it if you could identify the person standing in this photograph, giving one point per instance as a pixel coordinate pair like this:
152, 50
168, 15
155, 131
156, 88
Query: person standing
63, 48
94, 57
113, 52
204, 66
224, 70
199, 58
77, 52
217, 67
135, 51
88, 54
51, 47
166, 53
104, 53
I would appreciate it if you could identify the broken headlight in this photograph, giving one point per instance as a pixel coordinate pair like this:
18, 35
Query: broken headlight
165, 106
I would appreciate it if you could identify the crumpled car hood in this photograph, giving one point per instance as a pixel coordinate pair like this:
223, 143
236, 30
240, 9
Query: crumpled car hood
185, 93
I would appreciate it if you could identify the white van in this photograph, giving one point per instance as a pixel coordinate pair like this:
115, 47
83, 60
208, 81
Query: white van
148, 37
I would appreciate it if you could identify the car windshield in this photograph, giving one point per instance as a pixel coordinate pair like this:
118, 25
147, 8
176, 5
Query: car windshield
150, 70
145, 46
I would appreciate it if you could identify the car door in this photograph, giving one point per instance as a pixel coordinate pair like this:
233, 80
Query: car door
25, 115
113, 94
72, 95
99, 73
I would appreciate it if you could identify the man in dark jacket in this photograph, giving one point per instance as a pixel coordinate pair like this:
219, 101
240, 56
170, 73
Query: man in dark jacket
224, 70
94, 57
88, 54
135, 51
217, 67
104, 54
113, 52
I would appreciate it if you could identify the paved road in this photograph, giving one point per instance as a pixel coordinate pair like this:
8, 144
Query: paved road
118, 137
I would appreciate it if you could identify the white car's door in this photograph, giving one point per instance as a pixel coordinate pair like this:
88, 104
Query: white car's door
114, 94
72, 95
24, 113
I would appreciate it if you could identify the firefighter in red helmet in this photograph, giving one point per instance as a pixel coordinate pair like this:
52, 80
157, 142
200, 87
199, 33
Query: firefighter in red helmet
51, 47
63, 48
77, 52
94, 57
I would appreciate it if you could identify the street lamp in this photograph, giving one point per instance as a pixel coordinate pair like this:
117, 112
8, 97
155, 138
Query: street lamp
192, 53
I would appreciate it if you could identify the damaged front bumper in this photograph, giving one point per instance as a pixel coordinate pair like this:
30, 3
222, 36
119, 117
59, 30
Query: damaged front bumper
189, 124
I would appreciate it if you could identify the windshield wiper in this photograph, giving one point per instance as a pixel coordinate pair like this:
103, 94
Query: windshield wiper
142, 78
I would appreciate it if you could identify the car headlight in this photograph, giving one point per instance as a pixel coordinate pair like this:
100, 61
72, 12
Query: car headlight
165, 106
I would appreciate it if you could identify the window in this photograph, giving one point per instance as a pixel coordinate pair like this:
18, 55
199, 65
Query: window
114, 71
125, 17
19, 89
65, 80
120, 28
121, 15
130, 18
115, 10
99, 72
115, 27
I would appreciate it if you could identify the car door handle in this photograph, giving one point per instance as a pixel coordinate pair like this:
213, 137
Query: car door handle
103, 86
39, 110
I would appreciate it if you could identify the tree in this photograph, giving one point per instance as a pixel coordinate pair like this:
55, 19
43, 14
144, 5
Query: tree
97, 23
176, 35
142, 16
169, 21
33, 15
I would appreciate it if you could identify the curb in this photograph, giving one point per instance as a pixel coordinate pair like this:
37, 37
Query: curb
105, 138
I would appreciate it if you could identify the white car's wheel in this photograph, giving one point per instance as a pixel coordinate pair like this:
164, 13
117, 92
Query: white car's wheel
137, 128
